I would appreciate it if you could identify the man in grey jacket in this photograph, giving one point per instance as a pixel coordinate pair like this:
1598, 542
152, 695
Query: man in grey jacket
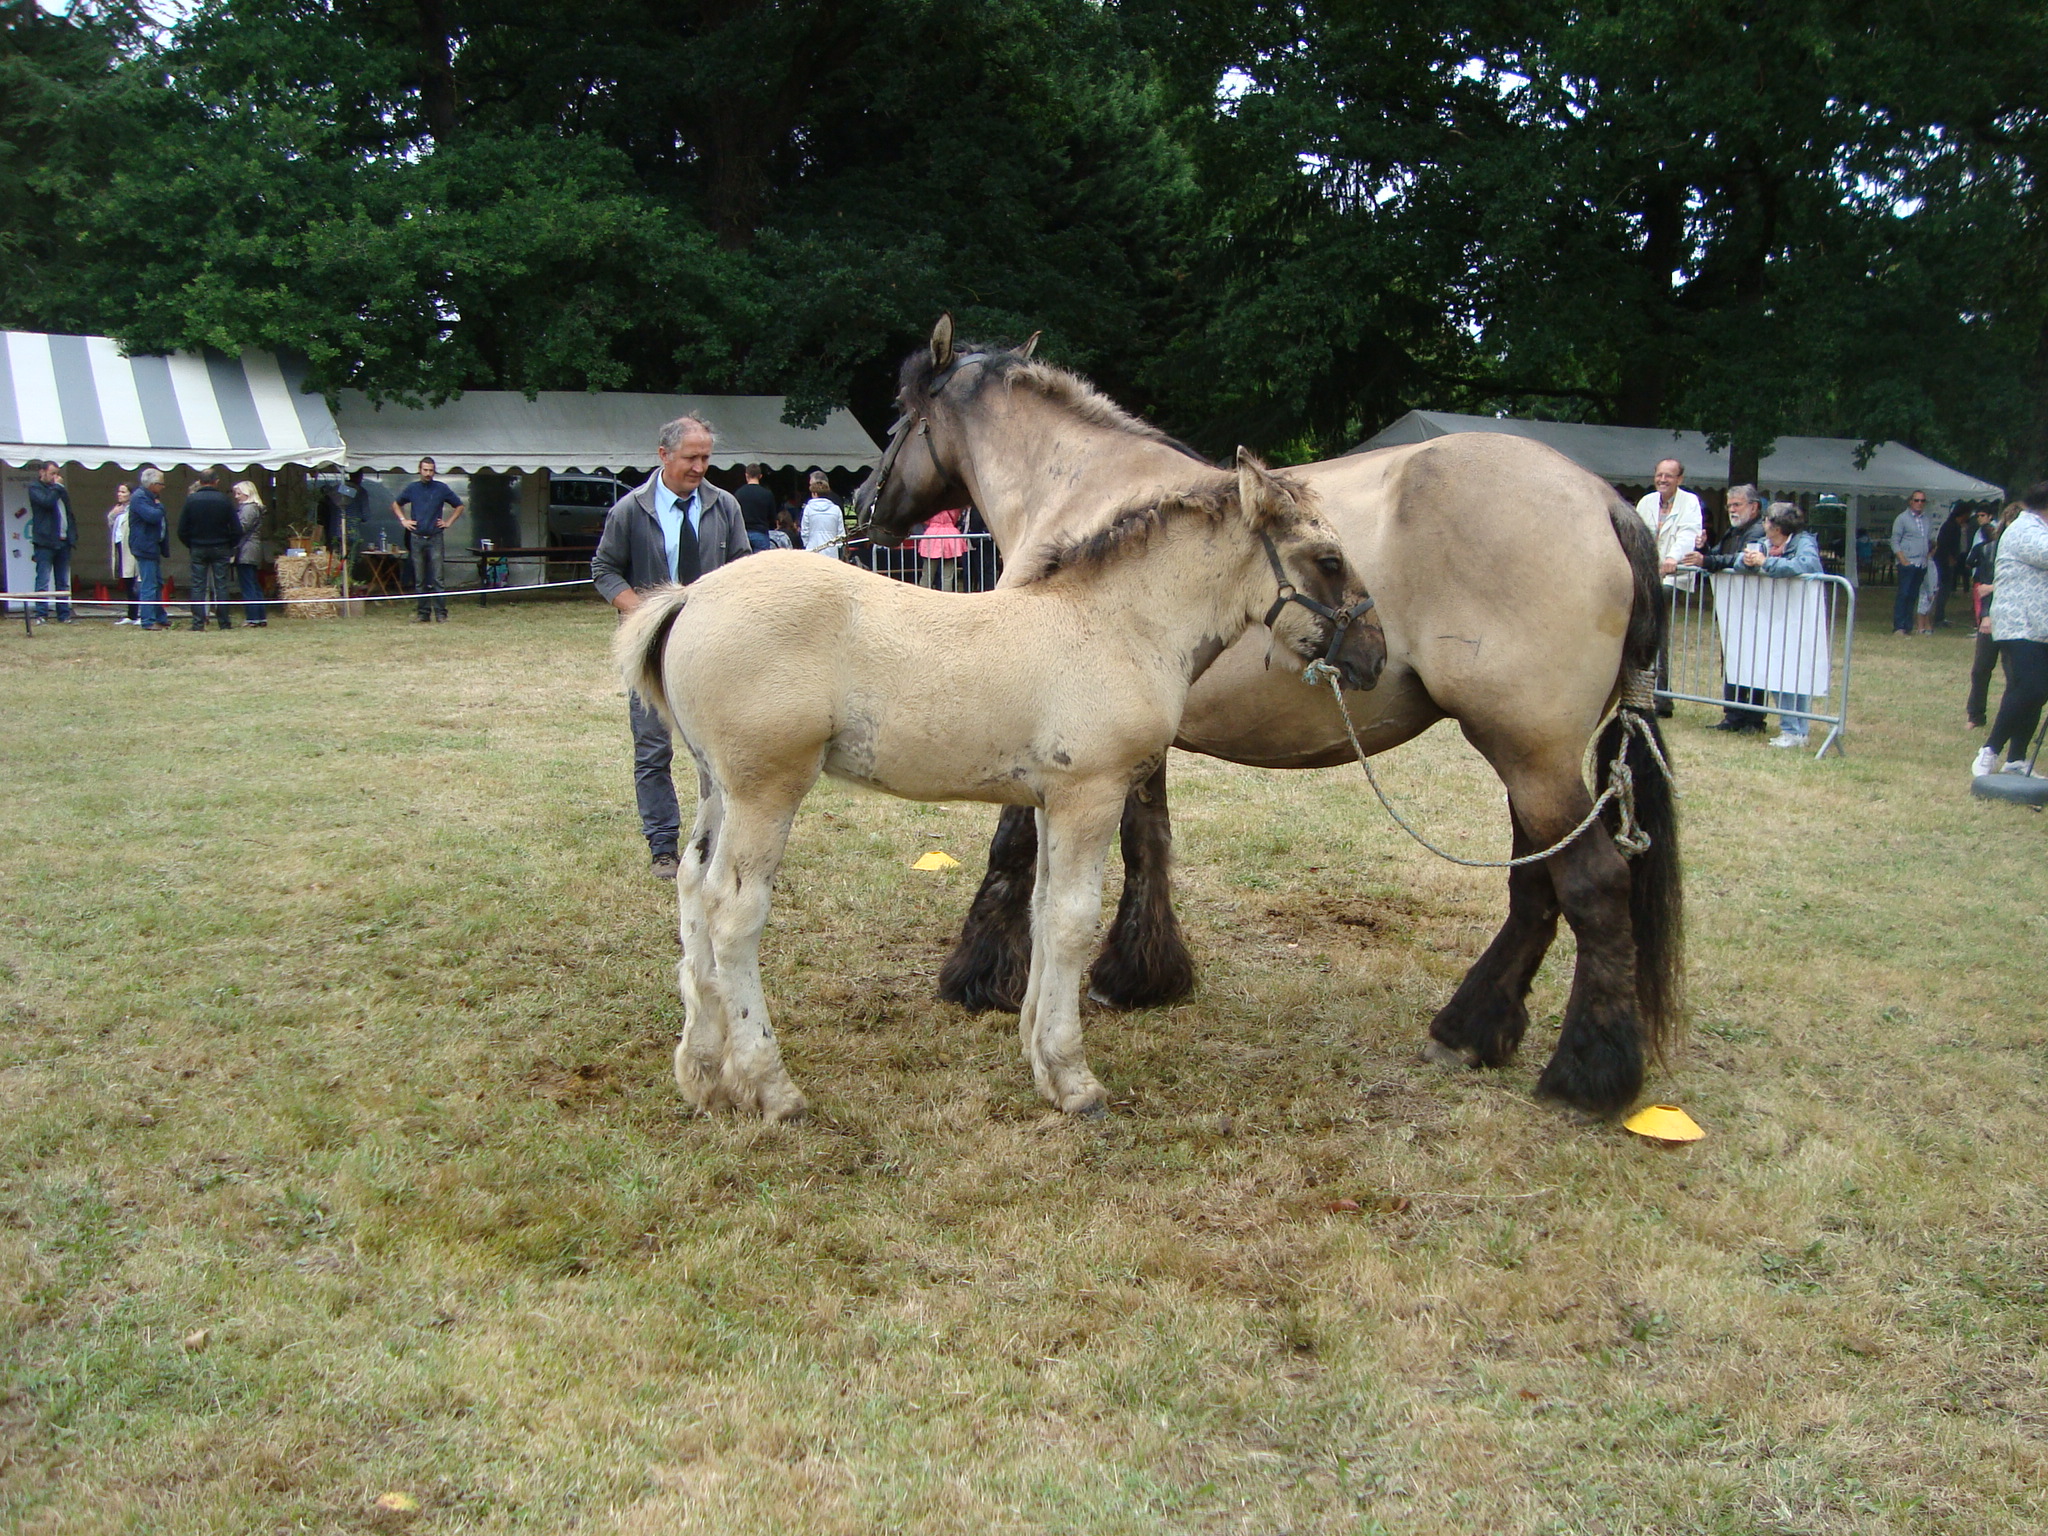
674, 528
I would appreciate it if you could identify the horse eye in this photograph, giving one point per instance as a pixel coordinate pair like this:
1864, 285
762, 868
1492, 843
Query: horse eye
1330, 565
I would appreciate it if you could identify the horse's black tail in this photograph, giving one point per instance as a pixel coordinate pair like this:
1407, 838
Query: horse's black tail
1656, 881
638, 647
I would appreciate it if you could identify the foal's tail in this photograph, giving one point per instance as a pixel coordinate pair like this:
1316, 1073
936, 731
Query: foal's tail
642, 641
1656, 897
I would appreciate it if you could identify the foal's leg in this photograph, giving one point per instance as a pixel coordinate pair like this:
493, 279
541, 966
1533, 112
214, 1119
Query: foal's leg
990, 966
700, 1053
738, 885
1145, 962
1486, 1017
1076, 835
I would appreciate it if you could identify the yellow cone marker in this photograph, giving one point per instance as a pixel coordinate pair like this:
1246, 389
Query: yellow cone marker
1664, 1122
937, 860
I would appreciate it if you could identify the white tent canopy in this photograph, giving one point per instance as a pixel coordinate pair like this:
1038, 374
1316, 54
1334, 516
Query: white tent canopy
563, 431
78, 400
1627, 455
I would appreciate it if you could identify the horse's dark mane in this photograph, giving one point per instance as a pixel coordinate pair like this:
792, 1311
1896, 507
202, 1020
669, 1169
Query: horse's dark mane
1131, 528
1059, 385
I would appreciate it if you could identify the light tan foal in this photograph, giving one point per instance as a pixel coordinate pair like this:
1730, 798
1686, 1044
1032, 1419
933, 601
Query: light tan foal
1059, 693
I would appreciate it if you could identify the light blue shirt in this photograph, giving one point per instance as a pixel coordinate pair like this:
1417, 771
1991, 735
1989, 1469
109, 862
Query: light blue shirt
669, 511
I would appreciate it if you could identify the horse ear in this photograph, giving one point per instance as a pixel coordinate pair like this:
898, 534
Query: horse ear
1254, 487
942, 341
1030, 344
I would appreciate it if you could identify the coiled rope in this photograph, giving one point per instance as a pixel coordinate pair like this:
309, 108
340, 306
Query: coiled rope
1638, 695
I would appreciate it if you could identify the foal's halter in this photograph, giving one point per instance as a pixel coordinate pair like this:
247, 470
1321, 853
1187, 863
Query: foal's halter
1289, 593
917, 424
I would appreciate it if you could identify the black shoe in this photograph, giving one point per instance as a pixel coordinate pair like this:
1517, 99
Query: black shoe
257, 624
665, 865
224, 626
1725, 724
425, 618
198, 629
440, 618
1664, 711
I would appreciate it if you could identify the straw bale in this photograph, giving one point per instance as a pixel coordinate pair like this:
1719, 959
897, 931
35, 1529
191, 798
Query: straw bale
321, 606
307, 570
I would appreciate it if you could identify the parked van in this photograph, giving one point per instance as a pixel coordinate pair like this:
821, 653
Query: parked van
576, 508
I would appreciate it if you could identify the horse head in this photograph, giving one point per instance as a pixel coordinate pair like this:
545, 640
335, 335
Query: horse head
1310, 573
919, 472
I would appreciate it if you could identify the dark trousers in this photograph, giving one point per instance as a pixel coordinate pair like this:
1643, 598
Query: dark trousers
2026, 690
653, 787
1908, 597
53, 574
211, 583
1981, 663
253, 610
426, 574
1945, 573
129, 583
1746, 719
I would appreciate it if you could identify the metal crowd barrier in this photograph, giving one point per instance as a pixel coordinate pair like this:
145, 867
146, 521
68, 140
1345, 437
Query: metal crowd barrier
1763, 643
979, 568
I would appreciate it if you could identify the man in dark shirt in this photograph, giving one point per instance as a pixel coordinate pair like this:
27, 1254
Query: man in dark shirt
428, 509
53, 533
757, 507
210, 528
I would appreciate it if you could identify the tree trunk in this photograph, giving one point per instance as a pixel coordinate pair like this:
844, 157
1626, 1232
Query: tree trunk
437, 72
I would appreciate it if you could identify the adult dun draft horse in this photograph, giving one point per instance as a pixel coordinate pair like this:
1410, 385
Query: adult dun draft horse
1517, 594
1055, 696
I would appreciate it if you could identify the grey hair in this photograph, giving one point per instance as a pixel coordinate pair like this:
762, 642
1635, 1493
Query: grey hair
672, 435
1668, 459
1785, 515
149, 479
1746, 493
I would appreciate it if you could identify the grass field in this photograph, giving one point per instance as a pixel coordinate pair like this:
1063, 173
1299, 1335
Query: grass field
339, 1155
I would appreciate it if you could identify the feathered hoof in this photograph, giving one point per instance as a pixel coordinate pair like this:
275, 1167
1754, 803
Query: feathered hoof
700, 1080
1455, 1058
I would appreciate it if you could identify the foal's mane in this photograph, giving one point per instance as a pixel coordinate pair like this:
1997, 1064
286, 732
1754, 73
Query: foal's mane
1130, 528
1075, 394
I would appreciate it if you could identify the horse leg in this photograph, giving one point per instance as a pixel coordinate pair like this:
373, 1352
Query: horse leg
1598, 1064
1066, 912
700, 1053
990, 966
1144, 963
1484, 1021
738, 884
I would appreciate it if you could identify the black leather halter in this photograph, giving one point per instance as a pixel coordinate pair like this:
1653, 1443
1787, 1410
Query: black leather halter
918, 424
1341, 622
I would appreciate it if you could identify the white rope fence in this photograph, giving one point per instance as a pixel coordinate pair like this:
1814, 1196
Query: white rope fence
67, 598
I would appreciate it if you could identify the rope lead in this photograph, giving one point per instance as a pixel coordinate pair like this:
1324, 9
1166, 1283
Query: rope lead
1629, 836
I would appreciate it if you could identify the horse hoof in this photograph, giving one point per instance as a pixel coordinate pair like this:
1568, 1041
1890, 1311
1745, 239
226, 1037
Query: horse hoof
1436, 1053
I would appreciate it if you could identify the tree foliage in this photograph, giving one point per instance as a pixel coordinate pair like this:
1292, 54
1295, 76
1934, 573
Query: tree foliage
1279, 225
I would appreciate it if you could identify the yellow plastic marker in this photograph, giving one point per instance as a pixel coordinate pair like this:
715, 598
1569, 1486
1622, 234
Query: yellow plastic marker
937, 860
1664, 1122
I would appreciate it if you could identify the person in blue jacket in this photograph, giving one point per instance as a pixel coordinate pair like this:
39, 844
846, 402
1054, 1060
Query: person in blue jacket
149, 538
1785, 548
53, 532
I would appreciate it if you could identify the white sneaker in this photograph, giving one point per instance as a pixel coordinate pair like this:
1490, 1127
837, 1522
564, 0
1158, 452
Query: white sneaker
2019, 766
1787, 739
1987, 762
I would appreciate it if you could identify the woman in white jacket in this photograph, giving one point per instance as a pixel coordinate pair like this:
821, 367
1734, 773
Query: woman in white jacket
124, 561
823, 523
